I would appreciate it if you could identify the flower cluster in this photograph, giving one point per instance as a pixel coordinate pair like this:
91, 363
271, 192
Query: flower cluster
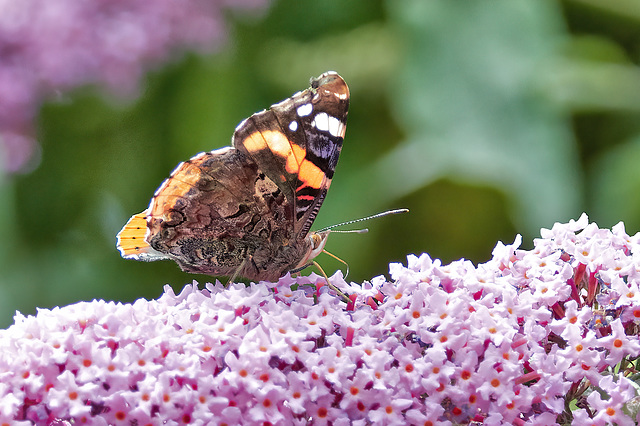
51, 46
539, 336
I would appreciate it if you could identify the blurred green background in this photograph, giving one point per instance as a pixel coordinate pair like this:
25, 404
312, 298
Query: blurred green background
485, 119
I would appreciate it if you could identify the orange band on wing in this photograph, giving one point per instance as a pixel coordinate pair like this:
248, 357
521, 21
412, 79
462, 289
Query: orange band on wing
131, 239
293, 154
298, 158
311, 175
181, 181
255, 142
278, 144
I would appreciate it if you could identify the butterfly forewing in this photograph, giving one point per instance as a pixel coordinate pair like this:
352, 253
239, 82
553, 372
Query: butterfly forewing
304, 136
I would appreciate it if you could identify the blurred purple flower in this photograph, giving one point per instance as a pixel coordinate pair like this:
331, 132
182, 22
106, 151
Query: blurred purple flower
49, 46
444, 344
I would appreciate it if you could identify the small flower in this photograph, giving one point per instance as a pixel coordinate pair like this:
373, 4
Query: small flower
582, 352
266, 409
296, 397
493, 382
322, 412
619, 344
391, 411
611, 410
67, 398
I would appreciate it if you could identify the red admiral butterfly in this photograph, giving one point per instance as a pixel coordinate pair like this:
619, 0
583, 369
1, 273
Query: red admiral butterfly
247, 209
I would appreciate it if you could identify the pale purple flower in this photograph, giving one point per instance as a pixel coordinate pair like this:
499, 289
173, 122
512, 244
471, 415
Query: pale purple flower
618, 344
581, 417
584, 352
50, 46
296, 396
432, 414
444, 344
391, 410
609, 411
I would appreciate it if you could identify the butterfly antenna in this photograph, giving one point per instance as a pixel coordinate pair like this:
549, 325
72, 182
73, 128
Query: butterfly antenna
362, 219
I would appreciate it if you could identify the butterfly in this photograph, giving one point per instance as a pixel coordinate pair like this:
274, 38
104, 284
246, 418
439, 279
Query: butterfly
247, 209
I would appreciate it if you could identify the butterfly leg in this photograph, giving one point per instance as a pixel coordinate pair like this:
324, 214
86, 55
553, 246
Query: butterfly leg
346, 274
331, 286
237, 272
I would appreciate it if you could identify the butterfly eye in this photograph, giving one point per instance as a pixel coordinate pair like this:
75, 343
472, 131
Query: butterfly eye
317, 240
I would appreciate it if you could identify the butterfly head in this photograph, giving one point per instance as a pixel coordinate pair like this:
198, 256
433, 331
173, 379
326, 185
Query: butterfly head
316, 241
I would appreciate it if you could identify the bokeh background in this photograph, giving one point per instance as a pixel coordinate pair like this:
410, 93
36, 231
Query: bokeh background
485, 119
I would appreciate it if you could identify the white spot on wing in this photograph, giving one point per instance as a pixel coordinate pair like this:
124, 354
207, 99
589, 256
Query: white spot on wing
293, 126
327, 123
304, 110
321, 122
335, 127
